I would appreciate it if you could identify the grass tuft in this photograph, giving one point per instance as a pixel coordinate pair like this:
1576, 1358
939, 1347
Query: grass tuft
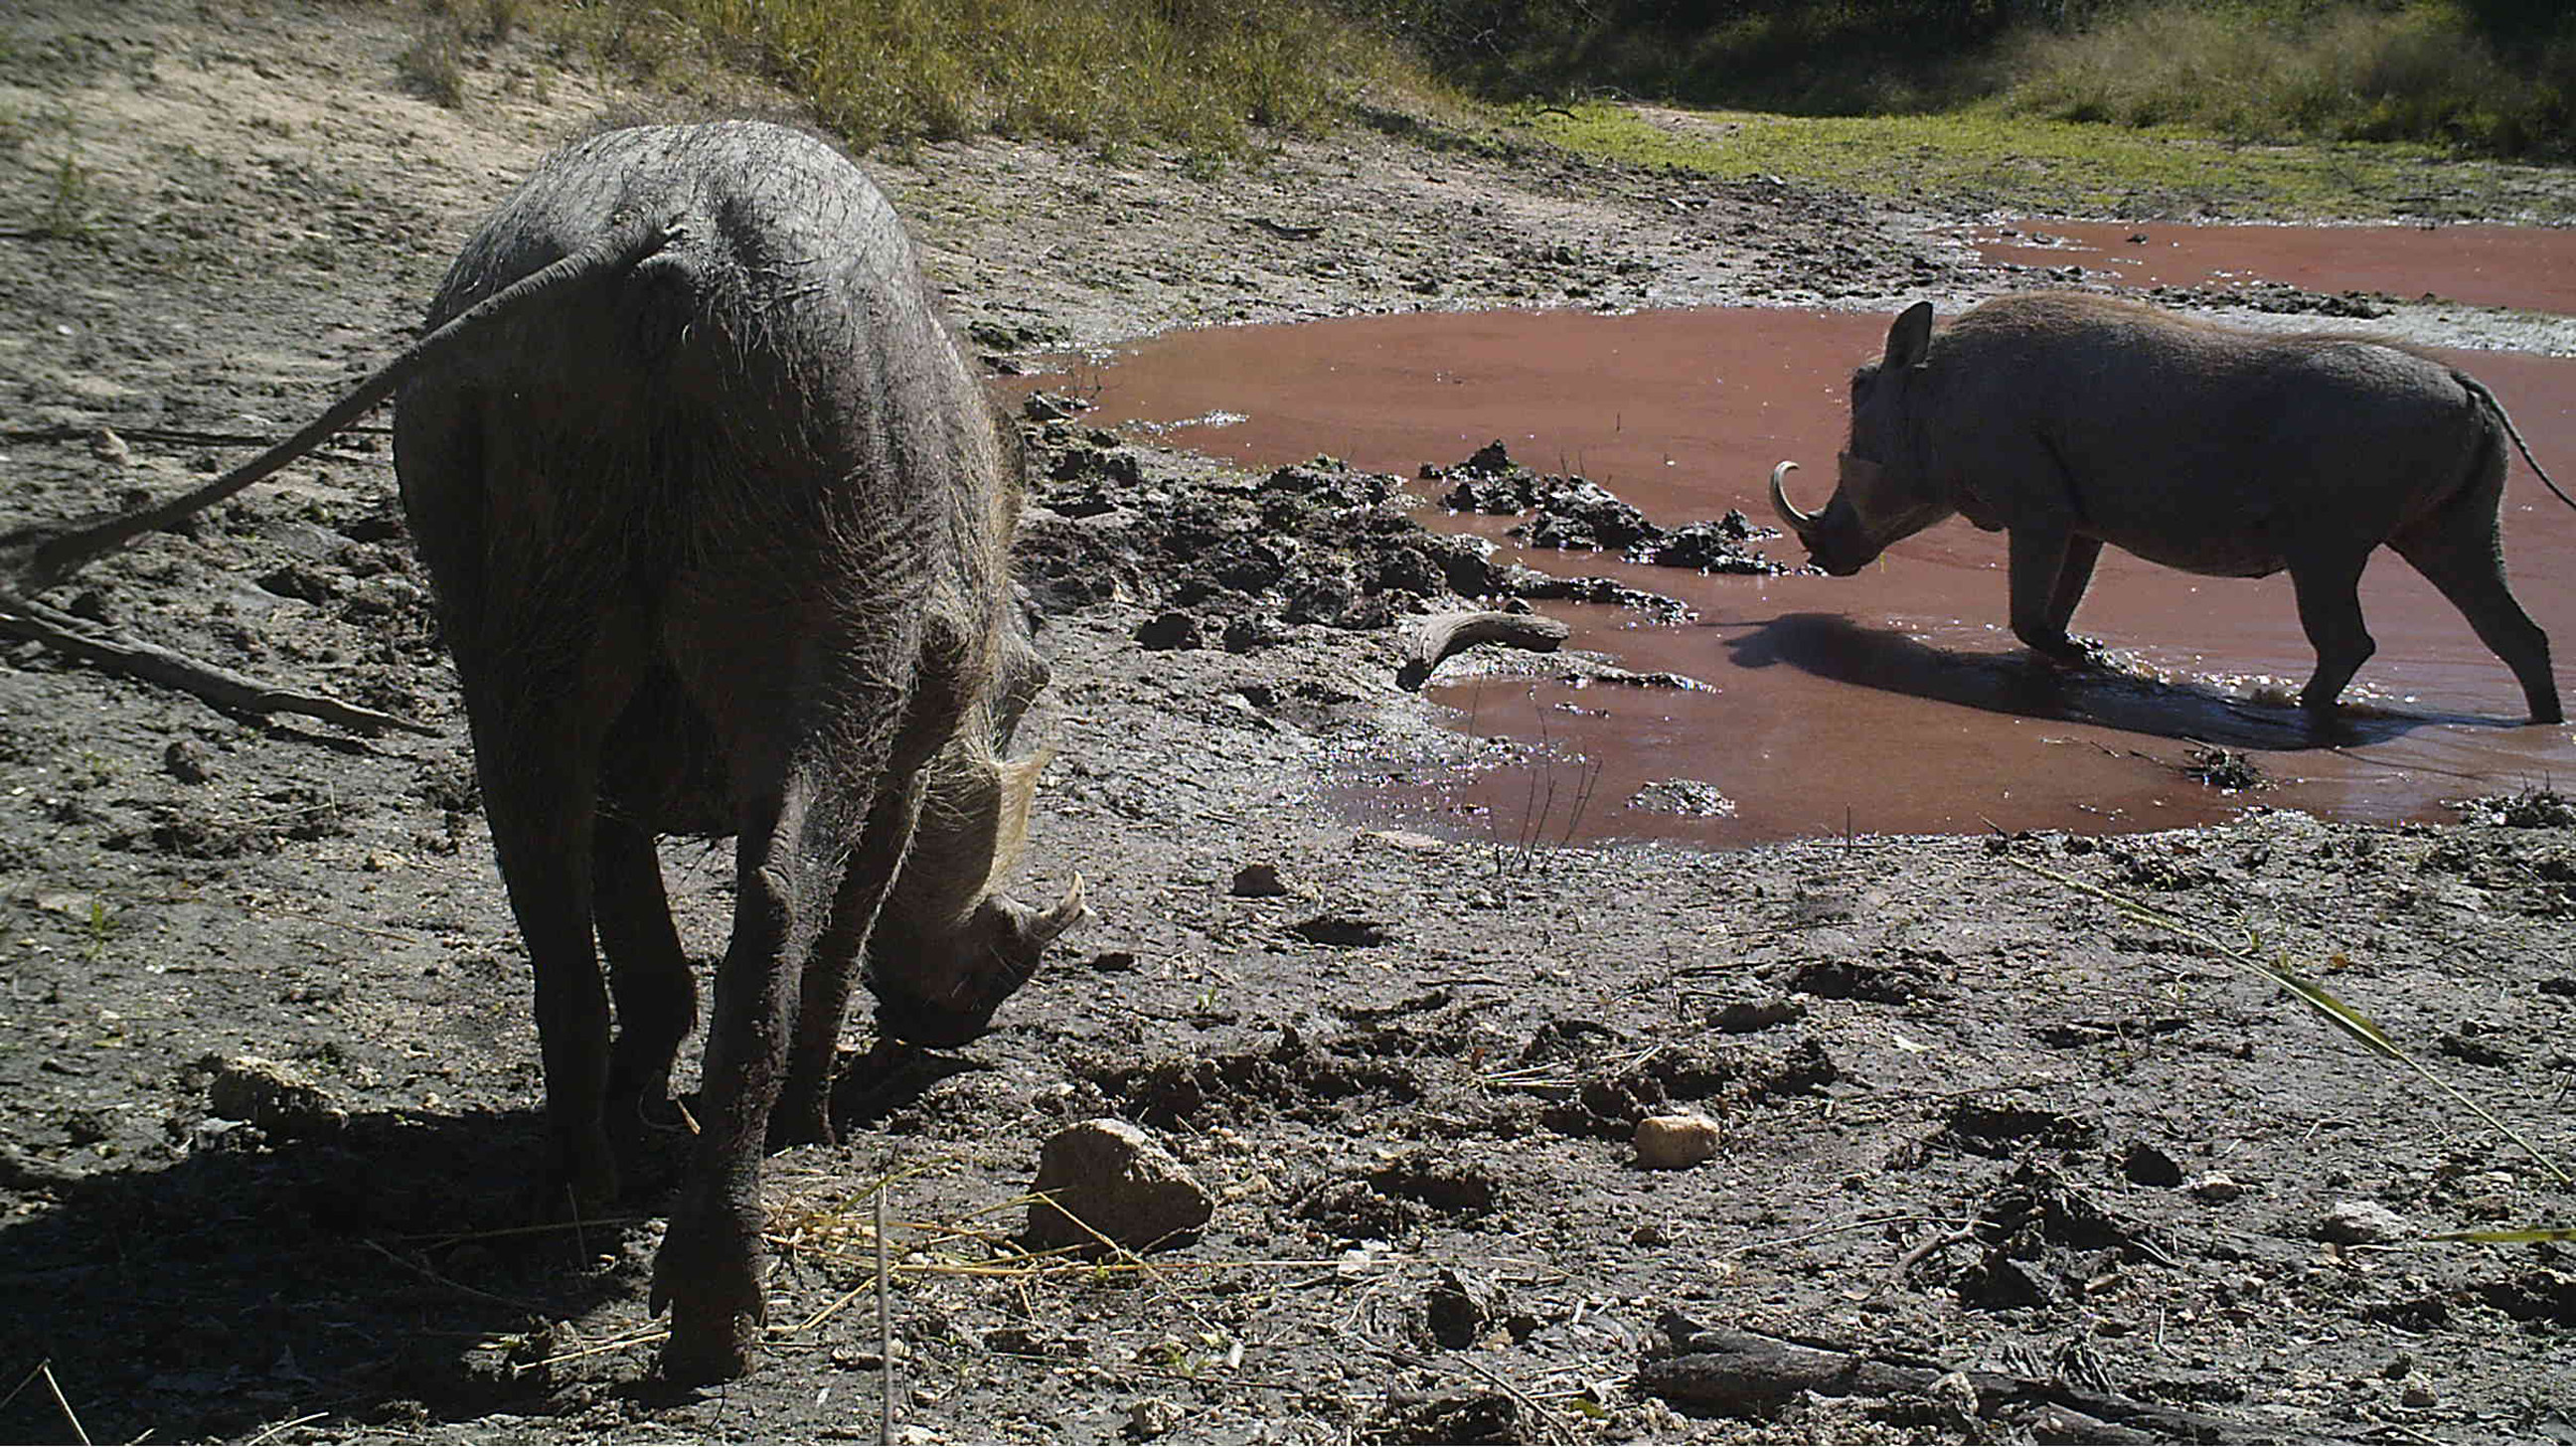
2253, 72
1205, 74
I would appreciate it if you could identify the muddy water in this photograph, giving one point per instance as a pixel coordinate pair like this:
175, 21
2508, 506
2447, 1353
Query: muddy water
1894, 701
2506, 266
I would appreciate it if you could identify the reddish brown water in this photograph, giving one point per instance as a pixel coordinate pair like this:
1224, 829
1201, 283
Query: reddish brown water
1894, 701
2515, 266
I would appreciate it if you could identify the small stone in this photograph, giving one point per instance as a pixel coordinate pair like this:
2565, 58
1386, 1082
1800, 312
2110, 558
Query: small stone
2361, 1223
109, 448
2417, 1395
1458, 1308
1673, 1142
1152, 1417
1108, 1178
2216, 1188
276, 1098
185, 761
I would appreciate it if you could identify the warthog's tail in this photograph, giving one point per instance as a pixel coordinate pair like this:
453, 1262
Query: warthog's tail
2487, 399
44, 557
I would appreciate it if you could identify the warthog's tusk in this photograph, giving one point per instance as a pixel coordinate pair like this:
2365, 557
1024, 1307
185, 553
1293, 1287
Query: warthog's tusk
1799, 523
1066, 913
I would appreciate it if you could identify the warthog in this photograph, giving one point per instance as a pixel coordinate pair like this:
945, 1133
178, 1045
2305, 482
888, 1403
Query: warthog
719, 536
2070, 421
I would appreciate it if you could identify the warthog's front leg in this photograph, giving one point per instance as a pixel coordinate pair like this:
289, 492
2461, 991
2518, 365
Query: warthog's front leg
2329, 591
2050, 569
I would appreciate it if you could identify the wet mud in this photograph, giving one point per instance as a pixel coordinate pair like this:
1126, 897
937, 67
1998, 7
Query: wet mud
2527, 267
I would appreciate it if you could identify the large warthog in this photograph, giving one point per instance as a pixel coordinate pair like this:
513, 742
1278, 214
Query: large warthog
2070, 421
719, 526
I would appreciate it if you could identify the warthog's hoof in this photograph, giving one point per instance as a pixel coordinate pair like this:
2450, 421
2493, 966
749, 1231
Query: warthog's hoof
708, 1345
708, 1274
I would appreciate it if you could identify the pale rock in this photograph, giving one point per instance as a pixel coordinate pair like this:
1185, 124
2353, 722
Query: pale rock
1672, 1142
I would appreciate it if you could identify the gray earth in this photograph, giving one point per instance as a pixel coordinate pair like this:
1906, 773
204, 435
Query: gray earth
2007, 1128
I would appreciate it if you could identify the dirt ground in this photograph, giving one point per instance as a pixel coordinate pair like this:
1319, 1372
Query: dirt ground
2017, 1158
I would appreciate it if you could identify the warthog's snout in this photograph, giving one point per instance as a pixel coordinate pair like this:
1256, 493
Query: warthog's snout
1831, 539
996, 951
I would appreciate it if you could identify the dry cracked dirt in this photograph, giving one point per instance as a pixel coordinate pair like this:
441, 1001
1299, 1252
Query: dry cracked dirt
1999, 1152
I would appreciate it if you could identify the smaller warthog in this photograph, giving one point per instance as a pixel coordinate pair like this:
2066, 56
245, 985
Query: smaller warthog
2070, 421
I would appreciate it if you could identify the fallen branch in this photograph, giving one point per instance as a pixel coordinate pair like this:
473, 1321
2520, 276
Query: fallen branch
221, 687
1745, 1375
1443, 634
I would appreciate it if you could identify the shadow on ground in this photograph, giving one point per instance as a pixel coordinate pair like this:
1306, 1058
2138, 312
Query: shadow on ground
384, 1273
1832, 646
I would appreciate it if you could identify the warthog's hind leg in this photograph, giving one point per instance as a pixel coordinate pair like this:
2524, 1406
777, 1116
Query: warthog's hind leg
648, 973
2461, 552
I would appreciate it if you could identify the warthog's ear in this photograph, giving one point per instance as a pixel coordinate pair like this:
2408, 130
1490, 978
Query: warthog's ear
1909, 338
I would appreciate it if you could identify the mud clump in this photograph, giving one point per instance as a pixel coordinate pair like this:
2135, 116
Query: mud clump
1575, 514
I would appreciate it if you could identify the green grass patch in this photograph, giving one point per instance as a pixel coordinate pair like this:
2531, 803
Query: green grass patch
1207, 75
1981, 159
2260, 70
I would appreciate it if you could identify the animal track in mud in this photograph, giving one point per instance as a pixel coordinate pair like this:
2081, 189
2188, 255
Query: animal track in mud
2000, 1129
1608, 1104
1387, 1201
1911, 975
1292, 1078
2041, 1239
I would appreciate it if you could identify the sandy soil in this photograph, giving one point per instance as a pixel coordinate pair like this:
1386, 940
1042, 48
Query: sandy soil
1984, 1122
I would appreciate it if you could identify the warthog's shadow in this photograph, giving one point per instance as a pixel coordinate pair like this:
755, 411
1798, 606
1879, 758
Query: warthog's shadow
390, 1269
2025, 685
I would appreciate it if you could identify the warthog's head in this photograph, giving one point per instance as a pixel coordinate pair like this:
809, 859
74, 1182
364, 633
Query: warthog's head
1879, 498
949, 947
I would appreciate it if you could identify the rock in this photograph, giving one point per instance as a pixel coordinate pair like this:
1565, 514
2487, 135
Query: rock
1152, 1417
1673, 1142
2216, 1188
1107, 1178
185, 761
1169, 630
1458, 1308
1340, 931
1743, 1017
2362, 1223
276, 1098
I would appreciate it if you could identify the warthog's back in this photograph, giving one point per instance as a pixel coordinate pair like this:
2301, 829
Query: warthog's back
2198, 445
764, 420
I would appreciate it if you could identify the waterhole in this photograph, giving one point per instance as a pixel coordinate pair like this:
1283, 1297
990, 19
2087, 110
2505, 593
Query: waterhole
1895, 701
